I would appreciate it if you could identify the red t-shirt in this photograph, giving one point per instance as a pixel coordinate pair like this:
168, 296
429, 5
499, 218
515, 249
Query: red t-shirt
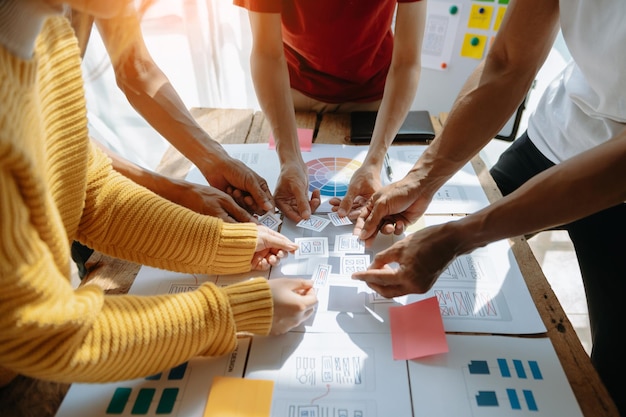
337, 51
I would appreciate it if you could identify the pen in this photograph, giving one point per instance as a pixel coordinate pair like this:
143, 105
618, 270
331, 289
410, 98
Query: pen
388, 167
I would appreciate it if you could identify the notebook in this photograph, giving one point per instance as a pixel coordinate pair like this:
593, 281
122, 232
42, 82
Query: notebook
417, 127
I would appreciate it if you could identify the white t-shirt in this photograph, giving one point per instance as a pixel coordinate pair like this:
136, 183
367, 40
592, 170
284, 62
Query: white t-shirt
586, 104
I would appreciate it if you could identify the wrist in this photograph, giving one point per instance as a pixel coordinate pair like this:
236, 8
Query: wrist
376, 154
203, 150
288, 151
469, 233
168, 188
252, 306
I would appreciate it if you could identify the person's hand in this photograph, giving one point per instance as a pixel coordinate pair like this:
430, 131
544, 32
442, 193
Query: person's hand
244, 185
291, 195
271, 246
209, 201
391, 209
422, 257
294, 302
364, 183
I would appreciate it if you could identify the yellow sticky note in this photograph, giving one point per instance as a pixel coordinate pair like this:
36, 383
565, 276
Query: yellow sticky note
499, 16
473, 46
480, 17
239, 397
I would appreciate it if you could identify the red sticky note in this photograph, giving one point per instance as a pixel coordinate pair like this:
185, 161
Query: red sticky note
417, 330
305, 137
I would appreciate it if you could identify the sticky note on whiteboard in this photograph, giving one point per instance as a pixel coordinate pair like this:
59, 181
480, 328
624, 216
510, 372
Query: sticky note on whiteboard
473, 46
499, 16
480, 17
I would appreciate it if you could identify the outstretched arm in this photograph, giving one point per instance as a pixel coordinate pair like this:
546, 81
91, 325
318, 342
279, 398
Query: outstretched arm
150, 92
271, 83
490, 95
400, 88
566, 192
196, 197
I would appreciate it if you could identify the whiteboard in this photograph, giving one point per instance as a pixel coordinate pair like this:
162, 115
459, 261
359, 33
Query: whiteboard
457, 36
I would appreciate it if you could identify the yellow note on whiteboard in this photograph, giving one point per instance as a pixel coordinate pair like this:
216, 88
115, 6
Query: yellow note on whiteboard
238, 397
499, 16
480, 17
473, 46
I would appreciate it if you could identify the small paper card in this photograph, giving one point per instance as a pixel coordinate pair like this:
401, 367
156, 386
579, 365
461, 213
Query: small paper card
349, 243
337, 220
353, 263
314, 223
311, 246
270, 220
320, 276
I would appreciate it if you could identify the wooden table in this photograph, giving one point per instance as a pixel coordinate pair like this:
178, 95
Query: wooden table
247, 126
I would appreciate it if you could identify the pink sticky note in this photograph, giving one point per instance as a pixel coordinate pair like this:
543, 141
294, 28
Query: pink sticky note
305, 137
417, 330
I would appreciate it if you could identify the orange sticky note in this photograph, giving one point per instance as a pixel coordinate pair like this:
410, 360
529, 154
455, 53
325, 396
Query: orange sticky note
305, 138
417, 330
239, 397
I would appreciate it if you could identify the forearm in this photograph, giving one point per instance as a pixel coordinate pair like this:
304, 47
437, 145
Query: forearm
402, 79
130, 222
102, 338
494, 90
566, 192
156, 100
167, 188
271, 84
150, 92
400, 88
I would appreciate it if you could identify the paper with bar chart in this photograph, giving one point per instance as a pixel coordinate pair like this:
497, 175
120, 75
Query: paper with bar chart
492, 376
179, 392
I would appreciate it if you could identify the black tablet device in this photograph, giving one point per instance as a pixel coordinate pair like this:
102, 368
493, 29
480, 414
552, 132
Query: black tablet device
417, 127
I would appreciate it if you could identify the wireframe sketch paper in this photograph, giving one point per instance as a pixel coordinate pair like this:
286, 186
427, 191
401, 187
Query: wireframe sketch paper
318, 374
331, 167
483, 291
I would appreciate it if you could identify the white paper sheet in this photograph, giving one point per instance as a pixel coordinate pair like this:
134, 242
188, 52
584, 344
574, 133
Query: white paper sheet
492, 376
180, 392
332, 166
353, 375
329, 375
482, 292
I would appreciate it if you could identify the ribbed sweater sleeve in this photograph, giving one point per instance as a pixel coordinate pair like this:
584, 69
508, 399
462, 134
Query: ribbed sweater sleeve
55, 188
130, 222
50, 331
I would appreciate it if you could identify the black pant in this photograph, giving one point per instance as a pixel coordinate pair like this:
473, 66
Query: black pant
80, 255
600, 244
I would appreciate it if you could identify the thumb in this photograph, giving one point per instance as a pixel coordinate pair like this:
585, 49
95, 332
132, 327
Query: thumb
346, 203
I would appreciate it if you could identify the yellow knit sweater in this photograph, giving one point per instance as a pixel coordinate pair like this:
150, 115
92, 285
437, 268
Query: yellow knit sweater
54, 188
